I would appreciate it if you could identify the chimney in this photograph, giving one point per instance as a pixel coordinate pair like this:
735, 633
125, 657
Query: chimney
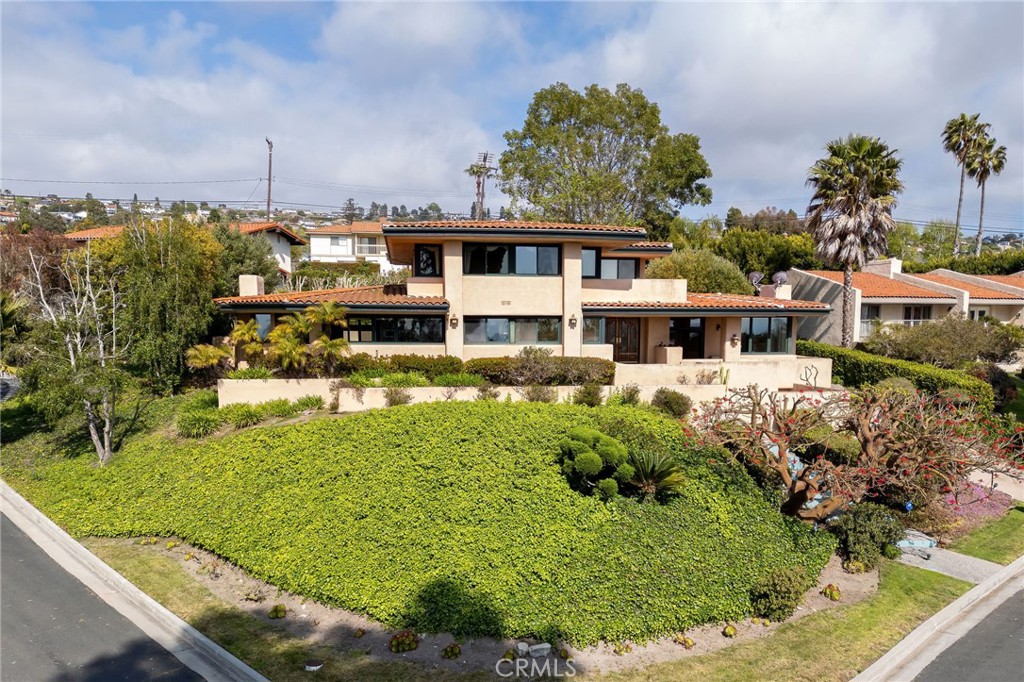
885, 268
250, 285
780, 291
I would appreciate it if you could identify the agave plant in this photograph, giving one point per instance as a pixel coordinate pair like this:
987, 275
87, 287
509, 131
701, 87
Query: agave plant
654, 473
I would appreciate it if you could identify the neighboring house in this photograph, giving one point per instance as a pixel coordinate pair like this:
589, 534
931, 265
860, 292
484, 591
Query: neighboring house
883, 294
8, 217
351, 243
281, 238
487, 289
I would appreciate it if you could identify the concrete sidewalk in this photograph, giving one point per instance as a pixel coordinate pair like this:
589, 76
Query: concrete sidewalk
187, 644
905, 661
968, 568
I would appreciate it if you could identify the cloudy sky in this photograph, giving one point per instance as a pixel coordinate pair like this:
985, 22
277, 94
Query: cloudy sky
388, 102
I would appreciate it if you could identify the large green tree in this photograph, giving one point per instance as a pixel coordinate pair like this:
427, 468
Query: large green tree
703, 271
243, 254
601, 157
766, 252
986, 160
959, 138
850, 213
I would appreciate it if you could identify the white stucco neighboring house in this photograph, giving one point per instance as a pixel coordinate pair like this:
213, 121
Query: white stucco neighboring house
350, 243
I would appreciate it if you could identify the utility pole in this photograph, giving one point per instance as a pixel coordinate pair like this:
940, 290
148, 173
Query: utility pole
270, 172
481, 170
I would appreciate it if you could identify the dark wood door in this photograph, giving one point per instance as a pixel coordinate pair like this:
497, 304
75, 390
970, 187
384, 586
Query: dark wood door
624, 335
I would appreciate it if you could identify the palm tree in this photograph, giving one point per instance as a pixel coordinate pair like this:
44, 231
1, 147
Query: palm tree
959, 138
987, 160
289, 352
327, 314
205, 358
294, 325
850, 214
331, 350
247, 335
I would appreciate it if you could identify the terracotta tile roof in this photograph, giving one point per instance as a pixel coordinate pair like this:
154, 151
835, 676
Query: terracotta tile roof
975, 290
646, 246
358, 227
723, 302
254, 228
502, 225
1012, 280
95, 233
361, 296
877, 286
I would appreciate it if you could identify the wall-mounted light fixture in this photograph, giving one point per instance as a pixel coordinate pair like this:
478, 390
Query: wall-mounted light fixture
453, 322
572, 321
735, 340
718, 327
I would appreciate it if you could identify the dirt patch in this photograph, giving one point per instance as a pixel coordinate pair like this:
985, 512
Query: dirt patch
350, 633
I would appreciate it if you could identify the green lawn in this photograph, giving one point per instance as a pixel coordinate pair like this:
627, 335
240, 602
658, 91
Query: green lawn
830, 645
1017, 406
1001, 541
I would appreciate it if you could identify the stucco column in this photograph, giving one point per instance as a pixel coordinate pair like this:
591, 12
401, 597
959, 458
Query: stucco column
731, 326
572, 299
452, 274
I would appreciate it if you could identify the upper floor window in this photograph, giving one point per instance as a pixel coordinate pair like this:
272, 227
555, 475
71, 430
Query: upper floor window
596, 267
765, 335
506, 259
428, 260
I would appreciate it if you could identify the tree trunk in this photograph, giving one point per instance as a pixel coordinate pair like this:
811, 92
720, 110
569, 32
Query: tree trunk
981, 217
847, 339
94, 432
959, 208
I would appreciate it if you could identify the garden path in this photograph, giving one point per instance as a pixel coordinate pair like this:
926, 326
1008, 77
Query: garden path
951, 563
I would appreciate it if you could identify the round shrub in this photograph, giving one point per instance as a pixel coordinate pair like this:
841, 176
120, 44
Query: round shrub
777, 595
864, 531
587, 394
673, 403
588, 463
607, 488
395, 395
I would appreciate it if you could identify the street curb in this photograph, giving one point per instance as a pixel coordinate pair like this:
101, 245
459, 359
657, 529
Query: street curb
911, 645
187, 644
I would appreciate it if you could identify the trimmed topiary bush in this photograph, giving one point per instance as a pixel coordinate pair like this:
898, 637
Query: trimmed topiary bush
777, 595
429, 366
588, 394
673, 403
864, 531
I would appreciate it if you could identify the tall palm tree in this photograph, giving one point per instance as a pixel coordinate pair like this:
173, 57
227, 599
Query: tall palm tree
247, 335
850, 214
959, 138
987, 160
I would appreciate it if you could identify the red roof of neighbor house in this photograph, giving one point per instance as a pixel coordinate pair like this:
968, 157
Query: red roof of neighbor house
877, 286
253, 228
974, 290
500, 225
358, 227
646, 246
362, 296
724, 302
95, 233
1012, 280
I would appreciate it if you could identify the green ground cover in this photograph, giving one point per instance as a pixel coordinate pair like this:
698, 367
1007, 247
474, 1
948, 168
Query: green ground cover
444, 516
1001, 541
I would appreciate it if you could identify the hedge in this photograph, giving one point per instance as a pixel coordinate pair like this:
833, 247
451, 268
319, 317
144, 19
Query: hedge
856, 368
558, 371
446, 517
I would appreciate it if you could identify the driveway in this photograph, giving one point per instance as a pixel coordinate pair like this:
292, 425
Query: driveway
57, 630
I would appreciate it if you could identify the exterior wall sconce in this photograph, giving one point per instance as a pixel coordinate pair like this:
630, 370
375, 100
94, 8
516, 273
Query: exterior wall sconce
453, 322
735, 340
572, 321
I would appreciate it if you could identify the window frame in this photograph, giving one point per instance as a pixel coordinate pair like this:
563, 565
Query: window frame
746, 338
600, 320
376, 327
511, 258
438, 260
512, 334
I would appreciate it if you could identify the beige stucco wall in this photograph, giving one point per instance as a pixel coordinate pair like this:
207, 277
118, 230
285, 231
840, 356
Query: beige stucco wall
1012, 485
597, 350
509, 296
572, 298
1011, 314
425, 286
630, 290
768, 371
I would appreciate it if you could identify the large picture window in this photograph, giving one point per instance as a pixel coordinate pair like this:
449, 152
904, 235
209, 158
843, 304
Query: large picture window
519, 330
593, 330
766, 335
428, 260
505, 259
395, 329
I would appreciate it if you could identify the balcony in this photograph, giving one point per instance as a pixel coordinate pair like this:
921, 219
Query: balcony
371, 250
633, 290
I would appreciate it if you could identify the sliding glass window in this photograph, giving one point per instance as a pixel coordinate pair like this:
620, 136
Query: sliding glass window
394, 329
504, 259
518, 330
766, 335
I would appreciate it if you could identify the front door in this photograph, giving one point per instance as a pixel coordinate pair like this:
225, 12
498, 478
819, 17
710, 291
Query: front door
624, 335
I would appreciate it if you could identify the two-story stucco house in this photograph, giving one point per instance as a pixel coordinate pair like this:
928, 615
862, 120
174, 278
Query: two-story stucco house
281, 238
490, 288
351, 243
884, 294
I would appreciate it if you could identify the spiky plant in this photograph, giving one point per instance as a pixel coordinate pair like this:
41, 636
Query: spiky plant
986, 160
850, 214
654, 473
327, 314
246, 335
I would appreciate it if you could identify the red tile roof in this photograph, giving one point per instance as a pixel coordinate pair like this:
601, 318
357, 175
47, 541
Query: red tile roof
358, 227
646, 246
500, 225
95, 233
974, 290
877, 286
724, 302
362, 296
254, 228
1012, 280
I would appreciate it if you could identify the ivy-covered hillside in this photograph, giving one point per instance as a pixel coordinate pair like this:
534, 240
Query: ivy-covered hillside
447, 517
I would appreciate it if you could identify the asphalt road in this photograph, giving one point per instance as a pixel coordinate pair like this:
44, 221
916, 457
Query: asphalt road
57, 630
993, 650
